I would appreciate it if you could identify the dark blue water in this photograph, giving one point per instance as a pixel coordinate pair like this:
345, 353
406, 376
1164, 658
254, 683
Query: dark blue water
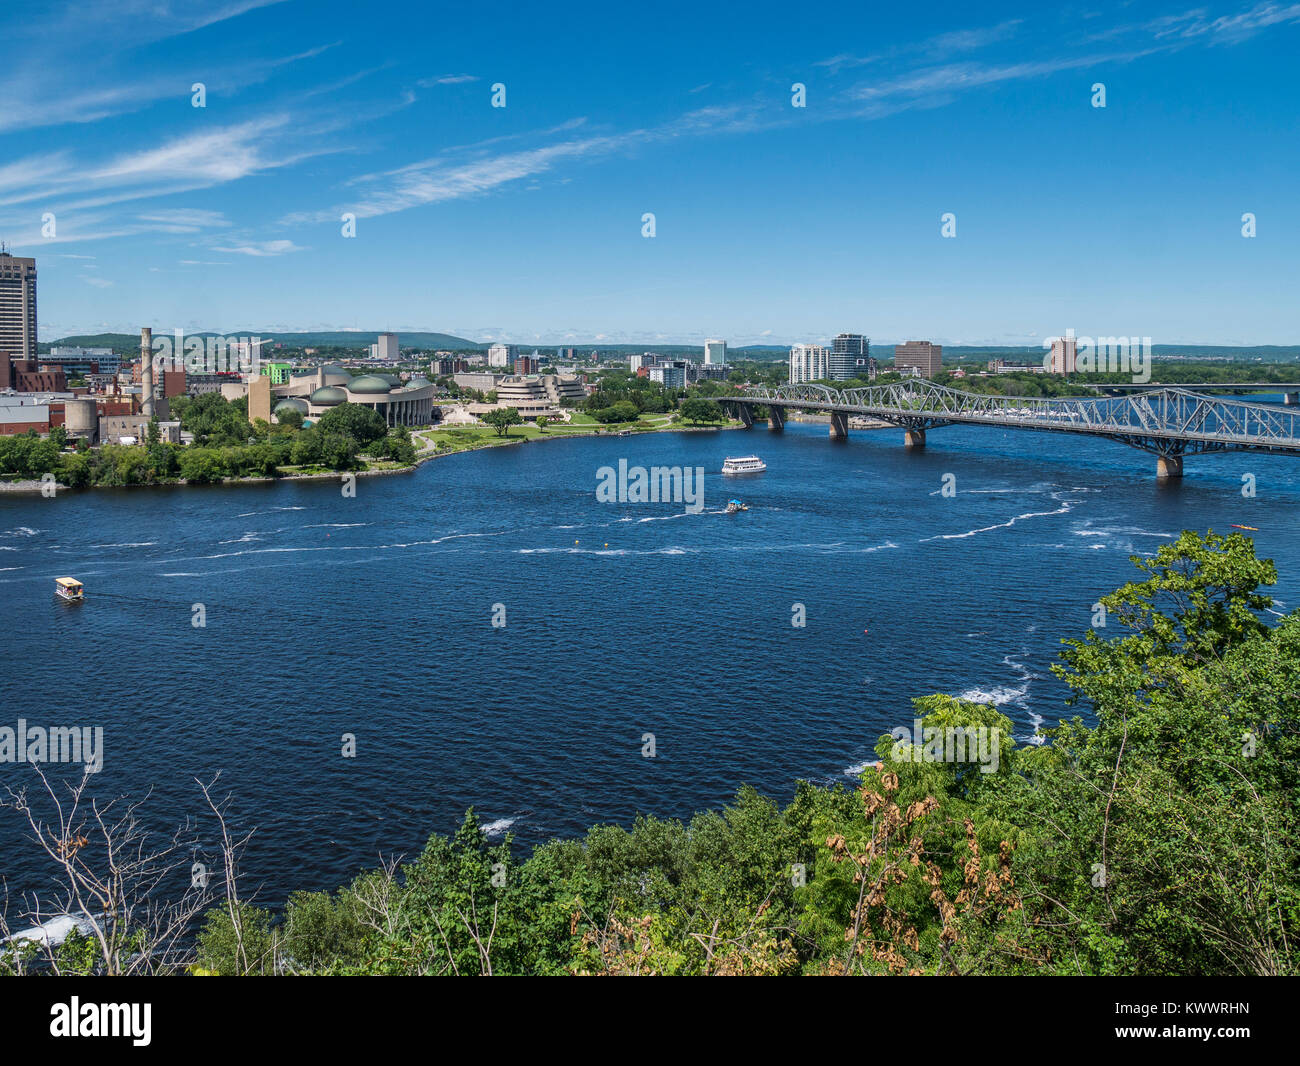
373, 616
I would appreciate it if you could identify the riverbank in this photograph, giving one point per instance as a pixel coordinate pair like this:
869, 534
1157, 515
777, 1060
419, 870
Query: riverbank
474, 438
465, 438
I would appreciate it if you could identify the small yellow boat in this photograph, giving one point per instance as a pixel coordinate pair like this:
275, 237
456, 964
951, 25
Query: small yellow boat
69, 588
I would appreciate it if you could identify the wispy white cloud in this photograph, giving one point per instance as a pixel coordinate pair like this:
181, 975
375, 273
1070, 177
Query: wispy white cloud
934, 48
474, 171
261, 248
935, 84
135, 22
191, 218
1198, 26
78, 191
51, 96
446, 79
953, 77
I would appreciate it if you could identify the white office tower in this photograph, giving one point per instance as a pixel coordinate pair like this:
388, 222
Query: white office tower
715, 351
387, 347
809, 362
503, 355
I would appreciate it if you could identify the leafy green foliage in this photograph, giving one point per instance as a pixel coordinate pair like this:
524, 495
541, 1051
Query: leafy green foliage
1160, 836
363, 424
502, 419
700, 409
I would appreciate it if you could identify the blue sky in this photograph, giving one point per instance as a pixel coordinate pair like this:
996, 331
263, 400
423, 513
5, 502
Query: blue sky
773, 223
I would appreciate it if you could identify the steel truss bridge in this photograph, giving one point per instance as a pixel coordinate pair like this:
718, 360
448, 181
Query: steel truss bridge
1167, 422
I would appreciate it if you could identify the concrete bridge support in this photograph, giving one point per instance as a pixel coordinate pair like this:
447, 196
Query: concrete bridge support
775, 419
1169, 466
914, 438
839, 425
745, 413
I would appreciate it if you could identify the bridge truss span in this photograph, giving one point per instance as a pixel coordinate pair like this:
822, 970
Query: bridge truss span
1167, 422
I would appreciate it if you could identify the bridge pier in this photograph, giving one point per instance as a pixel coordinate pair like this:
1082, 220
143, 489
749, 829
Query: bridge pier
745, 413
1169, 466
775, 419
914, 438
839, 425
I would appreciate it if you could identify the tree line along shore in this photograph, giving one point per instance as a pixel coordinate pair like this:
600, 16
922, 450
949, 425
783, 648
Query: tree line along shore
353, 438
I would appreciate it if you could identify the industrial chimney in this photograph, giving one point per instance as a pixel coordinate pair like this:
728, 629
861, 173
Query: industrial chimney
146, 372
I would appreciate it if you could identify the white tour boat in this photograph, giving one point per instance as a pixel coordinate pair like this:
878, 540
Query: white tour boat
743, 464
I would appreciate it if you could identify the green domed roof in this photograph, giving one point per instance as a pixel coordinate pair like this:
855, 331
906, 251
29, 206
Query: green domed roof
369, 384
334, 368
291, 403
328, 395
418, 383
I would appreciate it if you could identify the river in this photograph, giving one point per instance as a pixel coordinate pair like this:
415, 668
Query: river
372, 615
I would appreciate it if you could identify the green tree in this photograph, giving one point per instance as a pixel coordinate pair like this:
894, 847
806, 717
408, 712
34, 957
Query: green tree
200, 465
290, 418
237, 942
1173, 818
502, 418
363, 424
698, 409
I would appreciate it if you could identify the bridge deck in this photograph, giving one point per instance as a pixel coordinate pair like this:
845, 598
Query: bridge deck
1168, 422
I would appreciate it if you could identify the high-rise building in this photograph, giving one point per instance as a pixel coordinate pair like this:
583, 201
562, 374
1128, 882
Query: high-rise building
1063, 354
809, 362
386, 346
672, 373
921, 356
17, 306
503, 354
850, 357
715, 351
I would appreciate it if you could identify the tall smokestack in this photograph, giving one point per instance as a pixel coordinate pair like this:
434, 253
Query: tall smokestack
146, 371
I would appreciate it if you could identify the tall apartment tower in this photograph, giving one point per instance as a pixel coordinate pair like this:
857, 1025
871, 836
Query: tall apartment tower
715, 352
924, 357
17, 306
809, 362
503, 355
850, 356
1063, 355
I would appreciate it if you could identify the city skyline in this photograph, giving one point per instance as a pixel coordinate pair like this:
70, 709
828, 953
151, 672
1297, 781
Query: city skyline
773, 224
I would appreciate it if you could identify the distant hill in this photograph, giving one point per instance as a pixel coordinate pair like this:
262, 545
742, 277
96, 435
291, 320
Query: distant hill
128, 342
